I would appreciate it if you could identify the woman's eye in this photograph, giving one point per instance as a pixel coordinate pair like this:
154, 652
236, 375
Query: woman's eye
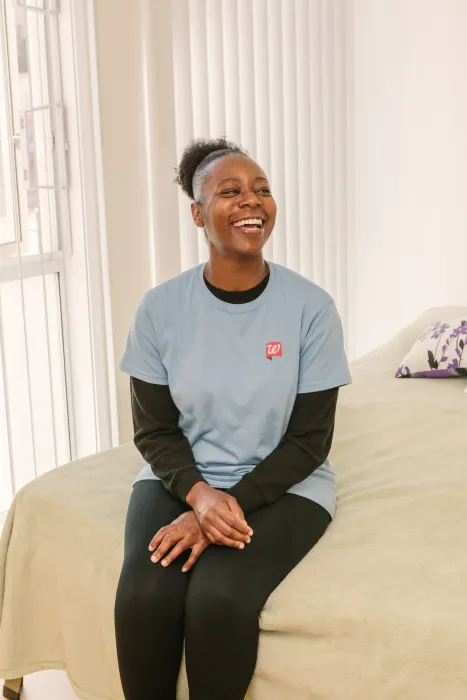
263, 190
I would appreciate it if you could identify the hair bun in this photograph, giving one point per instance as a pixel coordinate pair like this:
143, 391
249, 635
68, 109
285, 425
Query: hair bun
194, 154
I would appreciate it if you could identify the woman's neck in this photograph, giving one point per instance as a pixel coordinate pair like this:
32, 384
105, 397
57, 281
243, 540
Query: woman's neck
235, 275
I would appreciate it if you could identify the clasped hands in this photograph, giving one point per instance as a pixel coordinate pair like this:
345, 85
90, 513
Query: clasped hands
215, 518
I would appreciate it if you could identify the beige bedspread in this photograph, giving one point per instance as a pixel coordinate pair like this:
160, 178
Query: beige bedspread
377, 611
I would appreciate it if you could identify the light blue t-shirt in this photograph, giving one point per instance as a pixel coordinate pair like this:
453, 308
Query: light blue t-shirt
234, 370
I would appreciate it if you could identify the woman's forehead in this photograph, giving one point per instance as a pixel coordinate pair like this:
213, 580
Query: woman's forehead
233, 167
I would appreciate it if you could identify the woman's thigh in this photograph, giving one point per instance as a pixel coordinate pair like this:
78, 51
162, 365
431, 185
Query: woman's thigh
151, 507
284, 532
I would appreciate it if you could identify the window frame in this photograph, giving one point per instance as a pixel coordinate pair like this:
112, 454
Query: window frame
82, 261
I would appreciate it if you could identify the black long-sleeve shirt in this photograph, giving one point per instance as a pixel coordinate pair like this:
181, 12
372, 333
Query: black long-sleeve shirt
303, 448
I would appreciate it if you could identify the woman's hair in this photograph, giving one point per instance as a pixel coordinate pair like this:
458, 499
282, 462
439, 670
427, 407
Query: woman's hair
195, 159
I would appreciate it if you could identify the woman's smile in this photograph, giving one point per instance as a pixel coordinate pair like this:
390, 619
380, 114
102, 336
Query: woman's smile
252, 225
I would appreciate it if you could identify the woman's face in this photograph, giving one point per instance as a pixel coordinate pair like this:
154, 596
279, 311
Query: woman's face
236, 192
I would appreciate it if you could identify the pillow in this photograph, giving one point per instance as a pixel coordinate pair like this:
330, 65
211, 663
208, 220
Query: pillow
438, 351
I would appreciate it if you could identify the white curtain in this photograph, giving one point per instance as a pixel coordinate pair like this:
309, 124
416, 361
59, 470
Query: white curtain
271, 75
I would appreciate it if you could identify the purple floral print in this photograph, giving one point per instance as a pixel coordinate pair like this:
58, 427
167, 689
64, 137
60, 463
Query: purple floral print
437, 352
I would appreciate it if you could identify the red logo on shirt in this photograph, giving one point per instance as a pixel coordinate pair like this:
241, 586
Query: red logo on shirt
273, 350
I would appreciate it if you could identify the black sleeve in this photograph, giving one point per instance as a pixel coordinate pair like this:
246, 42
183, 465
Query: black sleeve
159, 438
304, 447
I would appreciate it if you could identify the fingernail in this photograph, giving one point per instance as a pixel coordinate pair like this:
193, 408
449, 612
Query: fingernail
241, 546
154, 557
184, 570
248, 540
164, 563
250, 532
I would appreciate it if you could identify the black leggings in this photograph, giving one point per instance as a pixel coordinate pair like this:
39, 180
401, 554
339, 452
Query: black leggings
215, 606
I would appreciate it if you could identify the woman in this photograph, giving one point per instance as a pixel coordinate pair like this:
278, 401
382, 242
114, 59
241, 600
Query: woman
235, 368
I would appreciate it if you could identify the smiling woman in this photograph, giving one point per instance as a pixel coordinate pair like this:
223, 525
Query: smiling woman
234, 205
235, 368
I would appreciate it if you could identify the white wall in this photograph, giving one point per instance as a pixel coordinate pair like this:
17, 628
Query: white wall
410, 98
120, 75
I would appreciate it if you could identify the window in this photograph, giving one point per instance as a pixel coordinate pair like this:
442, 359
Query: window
52, 406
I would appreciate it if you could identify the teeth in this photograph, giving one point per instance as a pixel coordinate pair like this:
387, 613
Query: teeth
247, 222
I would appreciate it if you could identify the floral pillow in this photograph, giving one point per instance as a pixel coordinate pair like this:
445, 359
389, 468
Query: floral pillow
438, 351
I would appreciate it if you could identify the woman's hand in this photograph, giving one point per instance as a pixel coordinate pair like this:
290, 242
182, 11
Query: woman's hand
219, 515
184, 533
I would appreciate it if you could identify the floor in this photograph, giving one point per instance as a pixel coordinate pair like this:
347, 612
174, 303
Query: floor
46, 685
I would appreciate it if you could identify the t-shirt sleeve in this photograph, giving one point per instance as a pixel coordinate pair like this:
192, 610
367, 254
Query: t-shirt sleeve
323, 362
141, 358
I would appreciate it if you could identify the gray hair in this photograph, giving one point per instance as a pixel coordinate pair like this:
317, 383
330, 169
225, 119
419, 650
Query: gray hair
200, 173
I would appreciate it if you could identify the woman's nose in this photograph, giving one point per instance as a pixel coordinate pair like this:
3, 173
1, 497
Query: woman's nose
249, 199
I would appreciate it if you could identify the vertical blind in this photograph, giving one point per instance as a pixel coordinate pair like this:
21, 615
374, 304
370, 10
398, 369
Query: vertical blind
270, 75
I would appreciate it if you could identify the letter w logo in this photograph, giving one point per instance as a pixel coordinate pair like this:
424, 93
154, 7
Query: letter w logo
273, 350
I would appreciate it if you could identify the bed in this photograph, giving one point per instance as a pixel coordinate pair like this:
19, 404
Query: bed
377, 611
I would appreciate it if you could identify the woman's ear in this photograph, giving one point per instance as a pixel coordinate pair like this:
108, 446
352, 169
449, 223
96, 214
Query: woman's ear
196, 213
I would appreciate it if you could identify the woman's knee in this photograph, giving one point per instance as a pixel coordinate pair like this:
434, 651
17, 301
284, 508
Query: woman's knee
147, 591
208, 605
